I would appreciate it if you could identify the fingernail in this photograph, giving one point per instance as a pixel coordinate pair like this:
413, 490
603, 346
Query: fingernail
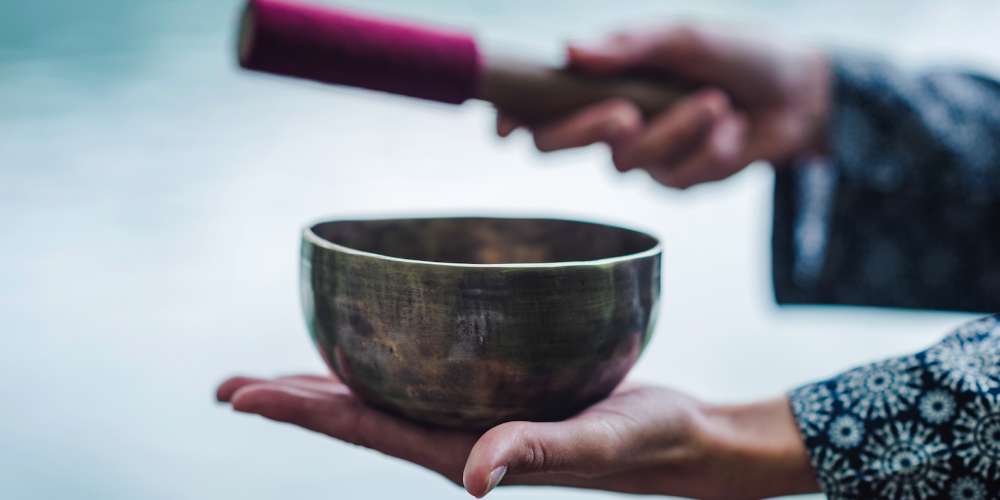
495, 478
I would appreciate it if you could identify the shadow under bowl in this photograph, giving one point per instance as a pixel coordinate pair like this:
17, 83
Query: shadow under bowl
471, 322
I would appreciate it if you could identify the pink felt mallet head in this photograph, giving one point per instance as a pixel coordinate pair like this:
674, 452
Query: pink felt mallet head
338, 47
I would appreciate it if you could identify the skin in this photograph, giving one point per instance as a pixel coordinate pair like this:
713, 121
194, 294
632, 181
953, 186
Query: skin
759, 100
641, 439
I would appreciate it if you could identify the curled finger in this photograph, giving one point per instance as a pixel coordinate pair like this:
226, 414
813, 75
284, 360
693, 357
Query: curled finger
674, 133
226, 389
609, 122
506, 124
720, 155
325, 385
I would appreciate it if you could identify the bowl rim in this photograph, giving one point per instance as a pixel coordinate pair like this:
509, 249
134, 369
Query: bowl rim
309, 235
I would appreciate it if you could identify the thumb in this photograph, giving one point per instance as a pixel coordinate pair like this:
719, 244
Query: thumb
621, 52
603, 58
520, 448
693, 53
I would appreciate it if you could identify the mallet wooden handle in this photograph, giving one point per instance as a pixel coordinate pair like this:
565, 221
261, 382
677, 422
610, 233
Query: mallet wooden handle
334, 46
535, 92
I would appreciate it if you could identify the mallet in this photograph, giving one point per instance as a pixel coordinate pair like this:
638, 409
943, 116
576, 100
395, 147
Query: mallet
344, 48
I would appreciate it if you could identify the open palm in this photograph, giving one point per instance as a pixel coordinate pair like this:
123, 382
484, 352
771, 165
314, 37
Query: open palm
641, 439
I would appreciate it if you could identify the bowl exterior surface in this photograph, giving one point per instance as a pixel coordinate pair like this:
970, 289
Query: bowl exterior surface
474, 346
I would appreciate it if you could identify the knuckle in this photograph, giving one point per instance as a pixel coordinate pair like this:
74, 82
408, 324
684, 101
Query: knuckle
532, 456
536, 457
621, 120
686, 44
626, 113
712, 104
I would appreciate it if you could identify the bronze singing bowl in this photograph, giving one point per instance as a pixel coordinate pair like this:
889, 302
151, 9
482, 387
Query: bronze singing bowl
471, 322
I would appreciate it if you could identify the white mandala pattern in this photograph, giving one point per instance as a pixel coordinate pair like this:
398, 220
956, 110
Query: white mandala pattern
881, 389
836, 477
812, 406
937, 407
877, 431
977, 437
846, 432
968, 488
906, 461
978, 328
969, 359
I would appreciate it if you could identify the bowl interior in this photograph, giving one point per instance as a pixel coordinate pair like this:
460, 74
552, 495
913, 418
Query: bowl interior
475, 240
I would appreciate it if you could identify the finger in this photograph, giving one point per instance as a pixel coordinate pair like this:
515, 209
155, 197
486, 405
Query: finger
719, 157
332, 377
580, 447
506, 124
610, 121
345, 417
620, 52
598, 59
617, 53
226, 389
674, 132
325, 385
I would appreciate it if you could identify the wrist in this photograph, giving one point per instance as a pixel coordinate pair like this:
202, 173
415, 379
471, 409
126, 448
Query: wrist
754, 450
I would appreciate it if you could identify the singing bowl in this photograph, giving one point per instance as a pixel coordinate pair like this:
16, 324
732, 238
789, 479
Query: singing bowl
471, 322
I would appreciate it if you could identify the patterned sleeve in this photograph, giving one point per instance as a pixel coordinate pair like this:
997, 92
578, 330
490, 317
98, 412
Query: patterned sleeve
905, 211
921, 427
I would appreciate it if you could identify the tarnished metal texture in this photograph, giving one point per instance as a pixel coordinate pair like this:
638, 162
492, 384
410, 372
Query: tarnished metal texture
470, 322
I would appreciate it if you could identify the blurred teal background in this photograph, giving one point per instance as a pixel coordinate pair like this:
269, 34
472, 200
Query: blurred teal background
152, 194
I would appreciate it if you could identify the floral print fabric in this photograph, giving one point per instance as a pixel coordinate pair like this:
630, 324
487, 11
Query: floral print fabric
920, 427
905, 212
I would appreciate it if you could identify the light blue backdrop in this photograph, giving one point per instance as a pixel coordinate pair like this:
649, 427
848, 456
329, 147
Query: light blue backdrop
151, 197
